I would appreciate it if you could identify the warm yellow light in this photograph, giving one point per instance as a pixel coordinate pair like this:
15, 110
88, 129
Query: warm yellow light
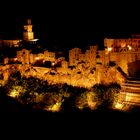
123, 45
129, 47
109, 49
56, 107
92, 104
34, 39
118, 106
13, 93
15, 59
37, 58
53, 63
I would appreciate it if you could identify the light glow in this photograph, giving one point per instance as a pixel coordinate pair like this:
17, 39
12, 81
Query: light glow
118, 106
15, 59
129, 47
34, 39
16, 91
53, 63
56, 107
109, 49
37, 58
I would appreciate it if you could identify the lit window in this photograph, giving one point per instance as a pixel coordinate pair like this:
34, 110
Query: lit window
109, 49
37, 58
129, 47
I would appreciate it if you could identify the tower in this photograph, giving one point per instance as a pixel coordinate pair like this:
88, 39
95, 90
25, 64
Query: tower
28, 34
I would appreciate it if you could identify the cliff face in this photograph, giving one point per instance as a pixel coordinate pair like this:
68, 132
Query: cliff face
112, 75
75, 77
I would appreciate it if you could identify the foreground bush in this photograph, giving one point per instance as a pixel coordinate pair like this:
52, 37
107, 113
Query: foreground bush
39, 94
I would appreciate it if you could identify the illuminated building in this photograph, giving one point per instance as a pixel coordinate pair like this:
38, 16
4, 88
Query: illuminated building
28, 36
28, 33
84, 68
123, 51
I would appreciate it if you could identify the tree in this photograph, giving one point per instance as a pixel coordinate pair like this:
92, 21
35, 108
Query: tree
106, 95
99, 90
112, 93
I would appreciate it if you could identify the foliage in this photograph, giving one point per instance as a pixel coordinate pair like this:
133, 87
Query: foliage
39, 94
81, 101
113, 91
99, 90
106, 94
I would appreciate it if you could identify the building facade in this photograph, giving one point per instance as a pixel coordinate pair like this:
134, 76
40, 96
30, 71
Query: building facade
83, 68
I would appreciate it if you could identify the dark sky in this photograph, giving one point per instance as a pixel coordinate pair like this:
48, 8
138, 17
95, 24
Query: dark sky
73, 23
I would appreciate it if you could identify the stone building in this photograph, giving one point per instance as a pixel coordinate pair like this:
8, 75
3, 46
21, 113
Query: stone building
74, 56
24, 56
123, 51
28, 34
84, 68
89, 57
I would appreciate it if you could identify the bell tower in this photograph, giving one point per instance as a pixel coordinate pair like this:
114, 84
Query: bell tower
28, 34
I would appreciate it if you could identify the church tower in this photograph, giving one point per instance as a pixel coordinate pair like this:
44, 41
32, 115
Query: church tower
28, 34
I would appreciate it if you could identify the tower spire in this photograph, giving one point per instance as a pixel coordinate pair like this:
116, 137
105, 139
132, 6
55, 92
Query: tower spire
28, 34
29, 21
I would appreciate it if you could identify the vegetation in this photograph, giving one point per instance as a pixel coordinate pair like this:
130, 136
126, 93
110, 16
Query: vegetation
35, 93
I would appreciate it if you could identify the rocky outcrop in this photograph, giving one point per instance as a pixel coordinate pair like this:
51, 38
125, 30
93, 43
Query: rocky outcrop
81, 77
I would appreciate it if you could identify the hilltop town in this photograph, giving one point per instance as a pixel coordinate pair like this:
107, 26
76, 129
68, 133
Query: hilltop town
118, 60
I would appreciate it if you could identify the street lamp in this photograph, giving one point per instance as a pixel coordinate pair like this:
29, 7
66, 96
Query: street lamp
129, 47
109, 50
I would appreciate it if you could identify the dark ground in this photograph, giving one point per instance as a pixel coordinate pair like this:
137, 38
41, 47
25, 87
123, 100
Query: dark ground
12, 108
24, 122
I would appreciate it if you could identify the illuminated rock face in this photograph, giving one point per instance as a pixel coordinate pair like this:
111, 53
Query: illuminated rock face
75, 77
84, 69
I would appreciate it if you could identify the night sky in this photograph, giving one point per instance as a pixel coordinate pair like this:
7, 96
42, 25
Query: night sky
71, 24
